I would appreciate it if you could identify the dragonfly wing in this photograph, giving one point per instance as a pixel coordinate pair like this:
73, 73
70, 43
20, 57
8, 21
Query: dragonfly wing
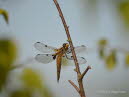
44, 58
44, 48
78, 49
81, 60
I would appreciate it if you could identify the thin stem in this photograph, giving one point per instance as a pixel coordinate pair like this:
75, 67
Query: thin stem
80, 82
84, 73
78, 90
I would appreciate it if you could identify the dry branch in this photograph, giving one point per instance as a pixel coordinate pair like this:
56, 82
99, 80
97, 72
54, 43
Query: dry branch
80, 82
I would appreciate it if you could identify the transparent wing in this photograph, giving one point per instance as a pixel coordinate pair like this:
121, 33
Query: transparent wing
44, 58
78, 49
81, 60
44, 48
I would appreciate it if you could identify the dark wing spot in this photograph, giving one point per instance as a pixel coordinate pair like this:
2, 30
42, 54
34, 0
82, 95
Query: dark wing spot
54, 57
46, 54
38, 54
83, 45
45, 45
38, 42
82, 57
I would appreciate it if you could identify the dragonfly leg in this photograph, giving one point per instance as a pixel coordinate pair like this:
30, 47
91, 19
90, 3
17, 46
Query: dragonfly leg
64, 51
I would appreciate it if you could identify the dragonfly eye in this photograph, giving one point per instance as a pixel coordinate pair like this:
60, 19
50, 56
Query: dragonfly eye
64, 44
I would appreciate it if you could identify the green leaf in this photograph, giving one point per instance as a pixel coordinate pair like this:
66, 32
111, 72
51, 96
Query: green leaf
31, 78
101, 53
4, 13
102, 44
3, 76
21, 93
124, 11
111, 60
7, 57
127, 59
8, 52
45, 92
33, 81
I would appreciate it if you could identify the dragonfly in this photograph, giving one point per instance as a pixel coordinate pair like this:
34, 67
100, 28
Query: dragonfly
51, 53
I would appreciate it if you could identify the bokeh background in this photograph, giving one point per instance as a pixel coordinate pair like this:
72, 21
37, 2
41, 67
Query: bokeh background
89, 21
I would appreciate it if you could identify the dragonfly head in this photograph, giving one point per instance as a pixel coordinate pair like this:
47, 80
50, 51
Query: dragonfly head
65, 45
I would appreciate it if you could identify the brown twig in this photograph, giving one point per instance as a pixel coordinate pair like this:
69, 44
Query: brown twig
78, 90
79, 75
83, 74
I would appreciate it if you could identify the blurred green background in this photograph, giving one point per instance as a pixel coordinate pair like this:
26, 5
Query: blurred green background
101, 25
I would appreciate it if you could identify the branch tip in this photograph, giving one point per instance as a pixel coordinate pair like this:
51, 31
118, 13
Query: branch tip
84, 73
